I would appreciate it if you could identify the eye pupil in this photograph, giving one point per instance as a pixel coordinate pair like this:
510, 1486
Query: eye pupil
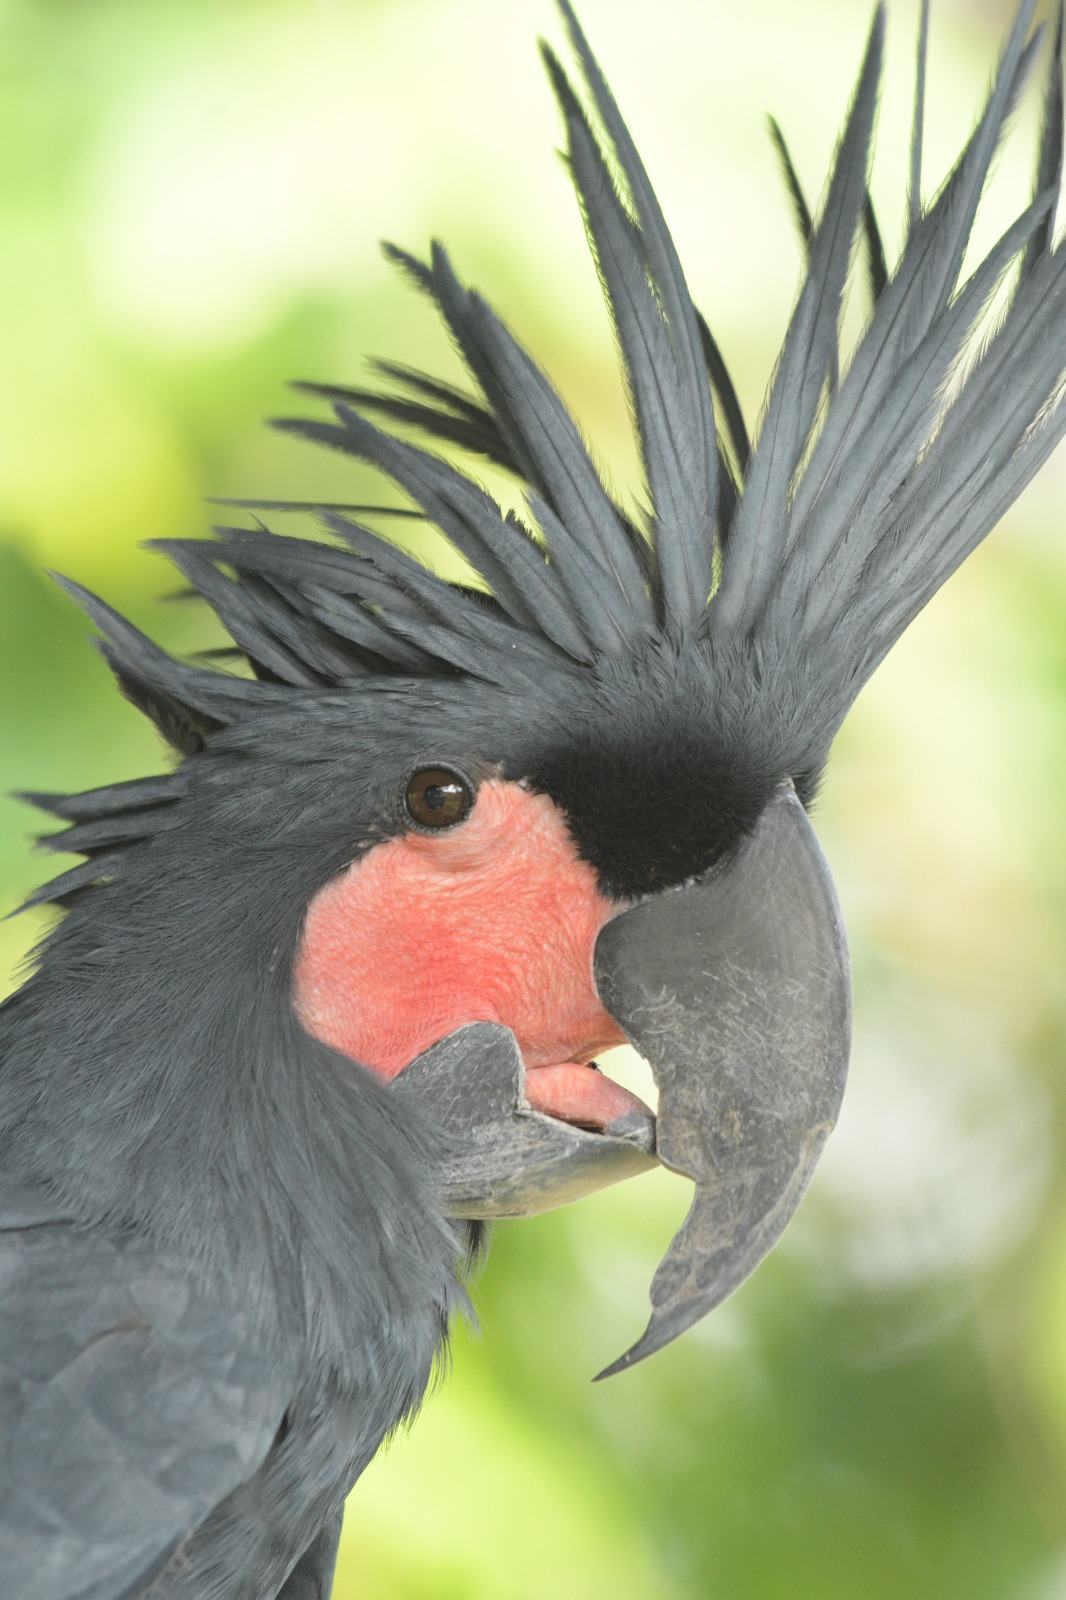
436, 797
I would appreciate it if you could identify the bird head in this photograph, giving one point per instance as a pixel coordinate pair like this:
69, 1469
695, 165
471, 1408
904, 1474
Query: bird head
475, 833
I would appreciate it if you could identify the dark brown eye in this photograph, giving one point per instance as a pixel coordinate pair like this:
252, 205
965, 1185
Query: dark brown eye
437, 797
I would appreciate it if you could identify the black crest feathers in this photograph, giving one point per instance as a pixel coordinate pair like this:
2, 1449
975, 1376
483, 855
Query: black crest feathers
872, 474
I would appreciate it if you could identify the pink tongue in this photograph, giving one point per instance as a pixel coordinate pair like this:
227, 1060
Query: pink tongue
576, 1093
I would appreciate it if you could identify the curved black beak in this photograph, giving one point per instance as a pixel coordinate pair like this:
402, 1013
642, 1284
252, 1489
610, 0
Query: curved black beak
736, 989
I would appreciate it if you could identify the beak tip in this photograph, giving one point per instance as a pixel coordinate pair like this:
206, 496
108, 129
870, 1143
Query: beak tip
615, 1367
652, 1339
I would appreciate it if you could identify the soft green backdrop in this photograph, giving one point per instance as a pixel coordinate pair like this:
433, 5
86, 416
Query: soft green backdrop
190, 195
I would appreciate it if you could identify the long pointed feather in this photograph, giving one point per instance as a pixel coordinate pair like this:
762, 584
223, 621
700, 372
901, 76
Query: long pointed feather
276, 634
92, 837
133, 795
876, 266
439, 598
914, 187
468, 616
363, 629
801, 211
233, 605
915, 296
242, 503
1015, 377
884, 444
540, 430
304, 565
986, 444
608, 622
483, 439
211, 698
467, 516
61, 890
687, 542
760, 527
683, 527
662, 255
726, 394
446, 394
968, 180
1050, 155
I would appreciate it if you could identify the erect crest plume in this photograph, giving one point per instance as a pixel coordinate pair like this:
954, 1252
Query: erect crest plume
870, 479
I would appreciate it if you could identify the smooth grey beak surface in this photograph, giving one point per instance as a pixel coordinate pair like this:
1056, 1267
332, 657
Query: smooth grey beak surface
507, 1160
736, 989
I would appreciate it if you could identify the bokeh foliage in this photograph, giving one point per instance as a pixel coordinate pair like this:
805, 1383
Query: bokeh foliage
190, 194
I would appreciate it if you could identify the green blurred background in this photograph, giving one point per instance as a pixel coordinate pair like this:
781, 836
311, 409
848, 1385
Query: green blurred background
190, 197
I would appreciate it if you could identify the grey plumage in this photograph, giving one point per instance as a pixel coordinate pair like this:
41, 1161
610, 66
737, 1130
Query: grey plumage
290, 1301
848, 514
808, 355
149, 1391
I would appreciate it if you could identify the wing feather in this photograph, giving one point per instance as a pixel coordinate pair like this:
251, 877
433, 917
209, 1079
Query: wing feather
131, 1404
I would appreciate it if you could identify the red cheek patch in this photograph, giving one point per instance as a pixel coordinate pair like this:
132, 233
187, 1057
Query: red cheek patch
494, 920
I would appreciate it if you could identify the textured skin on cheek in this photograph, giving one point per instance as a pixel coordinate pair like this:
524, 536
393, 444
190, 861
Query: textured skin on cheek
492, 921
